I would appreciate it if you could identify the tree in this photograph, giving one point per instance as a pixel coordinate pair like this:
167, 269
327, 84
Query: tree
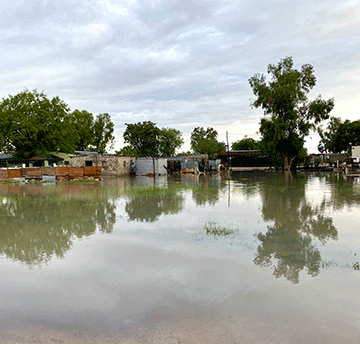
30, 124
205, 141
83, 122
103, 130
143, 138
246, 143
339, 136
292, 115
126, 150
170, 140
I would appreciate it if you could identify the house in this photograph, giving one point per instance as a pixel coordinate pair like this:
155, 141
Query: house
112, 164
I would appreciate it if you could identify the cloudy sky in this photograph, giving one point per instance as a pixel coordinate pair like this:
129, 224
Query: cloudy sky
179, 63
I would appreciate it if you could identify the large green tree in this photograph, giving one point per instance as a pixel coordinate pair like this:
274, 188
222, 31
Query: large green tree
143, 138
204, 141
339, 136
170, 140
103, 129
83, 122
146, 139
31, 123
291, 116
247, 143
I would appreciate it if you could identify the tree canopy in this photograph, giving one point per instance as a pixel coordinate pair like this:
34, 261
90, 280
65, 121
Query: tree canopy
170, 140
143, 138
31, 123
83, 122
146, 139
339, 136
103, 130
291, 116
246, 143
204, 141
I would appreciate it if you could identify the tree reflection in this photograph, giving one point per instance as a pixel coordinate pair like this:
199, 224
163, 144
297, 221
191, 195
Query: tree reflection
345, 192
36, 227
290, 240
206, 191
147, 204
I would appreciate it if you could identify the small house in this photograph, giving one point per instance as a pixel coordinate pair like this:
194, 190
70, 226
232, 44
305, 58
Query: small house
112, 164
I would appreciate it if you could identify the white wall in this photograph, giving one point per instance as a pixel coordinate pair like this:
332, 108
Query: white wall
355, 152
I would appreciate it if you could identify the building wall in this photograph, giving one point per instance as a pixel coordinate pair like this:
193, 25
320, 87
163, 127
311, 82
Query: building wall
144, 166
112, 165
355, 152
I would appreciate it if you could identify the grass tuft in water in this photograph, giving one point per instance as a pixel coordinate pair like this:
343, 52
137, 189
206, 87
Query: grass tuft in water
82, 181
213, 228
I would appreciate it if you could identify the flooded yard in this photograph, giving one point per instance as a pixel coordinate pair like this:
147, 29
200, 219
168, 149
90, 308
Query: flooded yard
261, 258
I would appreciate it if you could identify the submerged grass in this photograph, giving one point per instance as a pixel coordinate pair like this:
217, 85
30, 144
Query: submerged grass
213, 228
81, 181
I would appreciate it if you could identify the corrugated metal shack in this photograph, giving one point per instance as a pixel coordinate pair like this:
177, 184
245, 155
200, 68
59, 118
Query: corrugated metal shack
144, 166
112, 164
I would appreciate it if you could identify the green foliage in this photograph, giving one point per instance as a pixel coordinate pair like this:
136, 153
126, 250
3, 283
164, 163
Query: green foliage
82, 122
213, 228
170, 140
246, 143
103, 130
126, 150
143, 138
339, 136
184, 153
292, 115
30, 124
204, 141
146, 139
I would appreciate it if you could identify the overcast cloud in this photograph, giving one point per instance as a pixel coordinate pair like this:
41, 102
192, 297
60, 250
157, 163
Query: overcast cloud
180, 63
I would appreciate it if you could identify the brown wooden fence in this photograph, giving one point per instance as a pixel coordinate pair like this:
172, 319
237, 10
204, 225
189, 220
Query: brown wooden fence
61, 173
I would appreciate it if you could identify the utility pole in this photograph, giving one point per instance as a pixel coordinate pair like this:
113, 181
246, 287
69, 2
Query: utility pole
227, 144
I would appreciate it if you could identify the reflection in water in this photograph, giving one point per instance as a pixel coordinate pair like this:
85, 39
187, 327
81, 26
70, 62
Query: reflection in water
42, 224
37, 223
345, 191
297, 223
146, 204
206, 191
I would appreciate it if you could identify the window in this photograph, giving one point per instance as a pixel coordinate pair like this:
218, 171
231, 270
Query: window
88, 163
124, 163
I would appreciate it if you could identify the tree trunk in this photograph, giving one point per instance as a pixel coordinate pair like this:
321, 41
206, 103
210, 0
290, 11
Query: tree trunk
154, 167
287, 163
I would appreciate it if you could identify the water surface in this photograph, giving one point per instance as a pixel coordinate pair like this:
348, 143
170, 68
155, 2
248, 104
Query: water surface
260, 258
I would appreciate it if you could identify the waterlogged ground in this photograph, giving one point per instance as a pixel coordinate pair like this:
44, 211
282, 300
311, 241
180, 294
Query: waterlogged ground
257, 259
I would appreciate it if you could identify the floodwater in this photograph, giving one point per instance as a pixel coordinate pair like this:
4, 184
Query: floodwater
260, 258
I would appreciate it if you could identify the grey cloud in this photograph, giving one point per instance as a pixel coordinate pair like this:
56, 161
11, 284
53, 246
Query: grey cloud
179, 63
